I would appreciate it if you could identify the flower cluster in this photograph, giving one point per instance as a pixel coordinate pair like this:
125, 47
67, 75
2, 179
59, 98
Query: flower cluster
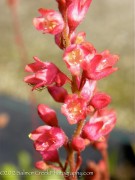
87, 66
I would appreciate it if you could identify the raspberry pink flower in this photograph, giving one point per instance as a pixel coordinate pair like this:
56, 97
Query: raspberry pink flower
76, 12
92, 131
48, 115
73, 57
74, 108
50, 21
108, 116
44, 74
100, 125
100, 66
100, 100
47, 138
75, 54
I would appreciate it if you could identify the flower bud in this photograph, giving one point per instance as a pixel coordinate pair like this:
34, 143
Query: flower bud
78, 143
41, 165
48, 115
58, 93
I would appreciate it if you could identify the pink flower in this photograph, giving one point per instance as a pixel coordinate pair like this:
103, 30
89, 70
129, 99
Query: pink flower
75, 54
50, 21
78, 143
44, 74
74, 108
58, 93
47, 138
108, 116
92, 131
47, 115
100, 125
100, 100
76, 12
100, 66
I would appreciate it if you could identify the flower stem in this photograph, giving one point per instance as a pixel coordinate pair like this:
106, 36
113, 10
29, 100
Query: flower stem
78, 130
72, 153
105, 157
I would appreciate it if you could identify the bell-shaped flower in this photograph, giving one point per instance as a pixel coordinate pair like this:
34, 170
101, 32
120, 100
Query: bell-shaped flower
74, 108
76, 12
48, 115
100, 100
47, 138
100, 66
50, 21
108, 116
44, 74
58, 93
92, 131
100, 125
75, 54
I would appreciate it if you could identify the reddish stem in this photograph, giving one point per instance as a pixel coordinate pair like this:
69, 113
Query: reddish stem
105, 157
72, 153
18, 36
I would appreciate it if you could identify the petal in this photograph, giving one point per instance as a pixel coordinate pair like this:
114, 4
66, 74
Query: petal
34, 135
88, 89
100, 100
92, 131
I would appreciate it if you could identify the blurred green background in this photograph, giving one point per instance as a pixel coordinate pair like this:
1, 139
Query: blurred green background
108, 25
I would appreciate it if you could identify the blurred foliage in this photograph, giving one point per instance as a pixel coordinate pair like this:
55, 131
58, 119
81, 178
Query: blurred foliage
11, 172
25, 166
